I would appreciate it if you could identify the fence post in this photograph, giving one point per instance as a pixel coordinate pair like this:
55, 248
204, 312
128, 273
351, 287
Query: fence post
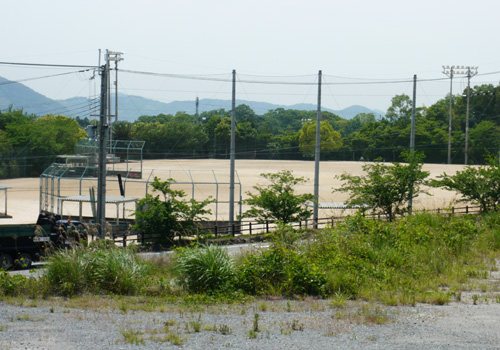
124, 240
215, 231
250, 227
306, 223
300, 224
466, 209
453, 210
439, 211
233, 226
143, 238
267, 226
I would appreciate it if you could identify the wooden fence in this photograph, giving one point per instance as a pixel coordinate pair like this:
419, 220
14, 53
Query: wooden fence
238, 228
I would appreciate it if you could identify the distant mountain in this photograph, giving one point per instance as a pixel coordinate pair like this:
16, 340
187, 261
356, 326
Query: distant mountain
22, 97
131, 107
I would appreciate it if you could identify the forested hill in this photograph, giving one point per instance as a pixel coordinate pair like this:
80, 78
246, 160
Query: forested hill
131, 107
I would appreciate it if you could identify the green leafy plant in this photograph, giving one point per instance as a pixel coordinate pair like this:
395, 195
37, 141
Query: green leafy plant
205, 269
168, 215
479, 185
99, 268
386, 187
278, 200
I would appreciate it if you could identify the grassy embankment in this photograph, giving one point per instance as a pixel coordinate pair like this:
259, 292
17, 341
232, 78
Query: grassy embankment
422, 258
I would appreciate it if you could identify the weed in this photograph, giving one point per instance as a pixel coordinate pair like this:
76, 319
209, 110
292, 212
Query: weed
285, 332
169, 323
196, 325
205, 269
224, 329
475, 298
252, 334
338, 300
132, 337
256, 322
3, 328
212, 328
263, 307
296, 326
169, 337
123, 306
100, 268
174, 339
288, 307
23, 317
371, 314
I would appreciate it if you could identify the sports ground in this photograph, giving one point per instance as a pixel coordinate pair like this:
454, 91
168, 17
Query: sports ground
202, 178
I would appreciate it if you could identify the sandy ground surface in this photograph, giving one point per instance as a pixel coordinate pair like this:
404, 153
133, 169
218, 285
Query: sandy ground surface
24, 196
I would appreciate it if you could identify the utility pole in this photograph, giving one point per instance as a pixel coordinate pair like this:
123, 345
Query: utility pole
317, 152
471, 71
232, 152
101, 168
449, 72
197, 107
412, 135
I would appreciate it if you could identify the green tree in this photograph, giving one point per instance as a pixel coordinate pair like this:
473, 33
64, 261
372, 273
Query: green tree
122, 130
278, 200
330, 139
400, 109
386, 187
168, 214
479, 185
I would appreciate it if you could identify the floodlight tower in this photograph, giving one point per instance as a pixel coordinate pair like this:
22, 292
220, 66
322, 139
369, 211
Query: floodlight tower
469, 72
449, 71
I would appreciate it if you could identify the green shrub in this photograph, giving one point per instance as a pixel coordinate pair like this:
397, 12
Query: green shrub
281, 269
205, 269
99, 268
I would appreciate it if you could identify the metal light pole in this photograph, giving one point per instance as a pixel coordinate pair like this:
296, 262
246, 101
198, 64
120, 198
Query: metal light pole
470, 74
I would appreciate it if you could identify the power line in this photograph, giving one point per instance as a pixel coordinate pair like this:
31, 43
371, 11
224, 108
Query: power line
47, 65
42, 77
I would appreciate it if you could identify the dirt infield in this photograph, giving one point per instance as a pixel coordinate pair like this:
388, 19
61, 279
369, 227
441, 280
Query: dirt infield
24, 196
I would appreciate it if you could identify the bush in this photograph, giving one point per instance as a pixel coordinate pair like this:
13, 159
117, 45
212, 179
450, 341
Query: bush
281, 269
205, 269
100, 268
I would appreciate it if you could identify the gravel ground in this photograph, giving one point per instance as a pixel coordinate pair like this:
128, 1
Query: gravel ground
314, 324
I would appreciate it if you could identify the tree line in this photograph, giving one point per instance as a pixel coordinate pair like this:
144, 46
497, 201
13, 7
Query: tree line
30, 143
290, 134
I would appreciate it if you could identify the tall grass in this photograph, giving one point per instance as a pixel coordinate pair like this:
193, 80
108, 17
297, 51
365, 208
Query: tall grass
421, 258
205, 269
100, 268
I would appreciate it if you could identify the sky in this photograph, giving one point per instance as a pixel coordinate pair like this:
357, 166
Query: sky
284, 42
